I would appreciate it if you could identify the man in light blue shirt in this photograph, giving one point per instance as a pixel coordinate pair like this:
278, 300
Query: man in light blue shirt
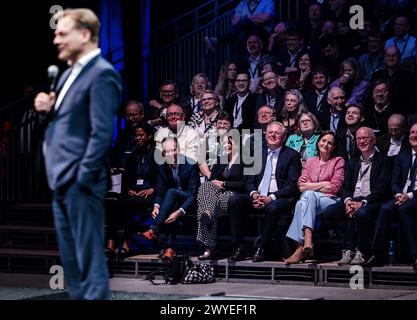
402, 39
251, 17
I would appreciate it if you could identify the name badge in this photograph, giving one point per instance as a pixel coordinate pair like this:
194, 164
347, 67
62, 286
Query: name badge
139, 182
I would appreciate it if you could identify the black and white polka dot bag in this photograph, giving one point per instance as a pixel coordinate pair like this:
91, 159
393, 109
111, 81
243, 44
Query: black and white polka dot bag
199, 273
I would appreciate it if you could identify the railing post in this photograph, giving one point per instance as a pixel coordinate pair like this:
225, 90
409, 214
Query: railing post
146, 46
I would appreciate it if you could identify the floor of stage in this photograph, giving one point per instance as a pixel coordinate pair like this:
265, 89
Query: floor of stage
20, 286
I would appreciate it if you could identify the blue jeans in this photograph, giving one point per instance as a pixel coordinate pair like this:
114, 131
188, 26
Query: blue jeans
311, 204
173, 200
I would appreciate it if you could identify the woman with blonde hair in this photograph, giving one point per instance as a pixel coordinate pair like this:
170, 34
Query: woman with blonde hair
198, 85
225, 86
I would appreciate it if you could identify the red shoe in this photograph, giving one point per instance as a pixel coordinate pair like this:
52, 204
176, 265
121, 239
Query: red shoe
169, 254
149, 235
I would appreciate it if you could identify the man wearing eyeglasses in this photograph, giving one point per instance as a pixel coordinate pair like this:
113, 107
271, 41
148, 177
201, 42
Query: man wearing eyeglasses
125, 141
187, 137
365, 188
168, 95
241, 106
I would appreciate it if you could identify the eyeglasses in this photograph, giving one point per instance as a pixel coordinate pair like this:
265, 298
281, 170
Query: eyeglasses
266, 113
174, 114
207, 99
364, 139
274, 133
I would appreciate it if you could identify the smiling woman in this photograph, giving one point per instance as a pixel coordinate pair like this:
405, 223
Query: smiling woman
320, 183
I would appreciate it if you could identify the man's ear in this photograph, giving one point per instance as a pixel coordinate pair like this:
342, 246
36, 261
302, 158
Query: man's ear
86, 34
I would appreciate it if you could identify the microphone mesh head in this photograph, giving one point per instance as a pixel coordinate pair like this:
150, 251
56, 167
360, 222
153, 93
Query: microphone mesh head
53, 71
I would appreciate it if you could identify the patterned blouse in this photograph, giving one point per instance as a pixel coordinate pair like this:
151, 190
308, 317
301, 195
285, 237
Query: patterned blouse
197, 122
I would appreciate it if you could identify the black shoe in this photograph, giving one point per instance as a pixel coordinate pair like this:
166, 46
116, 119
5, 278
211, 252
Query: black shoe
208, 254
415, 265
110, 253
259, 255
238, 255
373, 261
122, 254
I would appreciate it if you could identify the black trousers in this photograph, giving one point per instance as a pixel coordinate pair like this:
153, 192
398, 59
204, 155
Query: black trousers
240, 206
120, 213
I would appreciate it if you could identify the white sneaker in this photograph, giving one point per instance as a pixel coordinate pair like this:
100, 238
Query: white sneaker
358, 259
347, 257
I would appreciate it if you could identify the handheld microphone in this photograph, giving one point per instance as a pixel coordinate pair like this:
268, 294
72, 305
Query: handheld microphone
52, 76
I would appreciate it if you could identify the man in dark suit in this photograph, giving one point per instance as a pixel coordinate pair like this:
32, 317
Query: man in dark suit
289, 56
125, 141
379, 107
316, 98
77, 140
365, 188
345, 135
176, 190
332, 119
273, 191
272, 95
404, 188
241, 106
396, 138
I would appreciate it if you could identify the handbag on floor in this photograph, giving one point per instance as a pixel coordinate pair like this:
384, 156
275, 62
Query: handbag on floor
199, 273
173, 272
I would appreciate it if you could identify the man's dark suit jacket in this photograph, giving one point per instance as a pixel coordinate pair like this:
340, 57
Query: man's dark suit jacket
248, 110
287, 172
324, 119
380, 178
379, 121
384, 142
125, 142
341, 149
402, 165
279, 100
310, 100
189, 177
79, 134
